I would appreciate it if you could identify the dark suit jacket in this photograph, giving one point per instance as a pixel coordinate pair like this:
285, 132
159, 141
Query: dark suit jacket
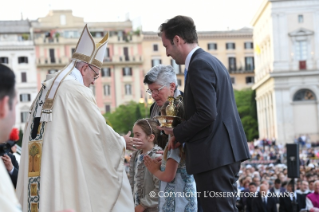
14, 175
282, 190
285, 204
213, 131
257, 204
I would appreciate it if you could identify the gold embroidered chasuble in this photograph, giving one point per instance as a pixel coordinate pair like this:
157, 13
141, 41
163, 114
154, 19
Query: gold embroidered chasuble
75, 161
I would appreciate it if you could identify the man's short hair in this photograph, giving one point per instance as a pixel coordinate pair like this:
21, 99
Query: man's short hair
182, 26
277, 181
252, 183
7, 83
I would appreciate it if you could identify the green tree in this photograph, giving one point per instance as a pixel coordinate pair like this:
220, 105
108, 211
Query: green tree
123, 118
247, 109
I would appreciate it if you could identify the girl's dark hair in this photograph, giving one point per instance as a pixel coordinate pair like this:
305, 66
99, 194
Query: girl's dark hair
149, 126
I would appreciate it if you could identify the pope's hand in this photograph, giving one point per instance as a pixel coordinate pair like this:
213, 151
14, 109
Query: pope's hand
151, 165
132, 143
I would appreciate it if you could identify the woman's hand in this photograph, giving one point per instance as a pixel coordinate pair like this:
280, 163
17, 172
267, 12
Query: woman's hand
151, 165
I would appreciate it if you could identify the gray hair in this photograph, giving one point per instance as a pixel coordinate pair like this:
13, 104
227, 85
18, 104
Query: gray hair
79, 64
161, 74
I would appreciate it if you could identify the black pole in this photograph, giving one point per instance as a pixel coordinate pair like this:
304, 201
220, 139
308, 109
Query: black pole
294, 203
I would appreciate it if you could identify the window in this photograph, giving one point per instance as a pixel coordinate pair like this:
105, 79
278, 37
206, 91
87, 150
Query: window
52, 57
106, 72
22, 60
72, 51
232, 80
155, 47
179, 82
52, 71
230, 46
304, 95
300, 18
249, 63
301, 50
128, 89
212, 46
62, 20
232, 64
250, 80
127, 71
126, 57
107, 90
25, 97
71, 34
156, 62
177, 68
24, 117
107, 108
4, 60
23, 77
248, 45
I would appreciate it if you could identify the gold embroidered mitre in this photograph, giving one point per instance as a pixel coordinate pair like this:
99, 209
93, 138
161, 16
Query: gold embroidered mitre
89, 52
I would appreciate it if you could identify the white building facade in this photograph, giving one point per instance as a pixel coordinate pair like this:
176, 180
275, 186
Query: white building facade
18, 52
286, 38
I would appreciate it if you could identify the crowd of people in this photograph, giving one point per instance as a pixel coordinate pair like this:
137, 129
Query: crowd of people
267, 171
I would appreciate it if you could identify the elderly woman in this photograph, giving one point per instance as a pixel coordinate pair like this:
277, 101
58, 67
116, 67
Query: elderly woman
162, 83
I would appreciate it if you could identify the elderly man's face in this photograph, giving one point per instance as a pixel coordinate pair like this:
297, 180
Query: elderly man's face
304, 186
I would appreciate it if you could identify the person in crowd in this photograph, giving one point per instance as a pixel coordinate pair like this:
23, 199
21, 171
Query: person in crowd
214, 169
264, 202
8, 101
312, 199
174, 178
302, 193
289, 200
256, 180
142, 181
277, 189
71, 159
12, 167
246, 198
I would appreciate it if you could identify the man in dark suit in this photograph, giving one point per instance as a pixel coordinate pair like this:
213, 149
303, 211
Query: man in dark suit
214, 138
286, 201
264, 202
277, 189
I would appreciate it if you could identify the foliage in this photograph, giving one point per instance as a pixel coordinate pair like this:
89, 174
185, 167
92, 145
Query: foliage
123, 118
247, 109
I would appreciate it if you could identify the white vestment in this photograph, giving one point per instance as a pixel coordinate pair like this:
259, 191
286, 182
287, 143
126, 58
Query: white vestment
8, 199
82, 160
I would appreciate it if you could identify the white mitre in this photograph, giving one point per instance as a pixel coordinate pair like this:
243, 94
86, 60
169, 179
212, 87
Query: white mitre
86, 51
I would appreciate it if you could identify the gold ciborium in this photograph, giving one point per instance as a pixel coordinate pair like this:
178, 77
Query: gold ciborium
171, 112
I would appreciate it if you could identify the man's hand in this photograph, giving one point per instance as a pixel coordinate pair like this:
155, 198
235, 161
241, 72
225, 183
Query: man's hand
139, 208
172, 144
168, 131
151, 165
7, 162
132, 143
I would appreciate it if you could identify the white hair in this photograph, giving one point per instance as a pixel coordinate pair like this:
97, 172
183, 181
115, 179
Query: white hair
79, 64
162, 75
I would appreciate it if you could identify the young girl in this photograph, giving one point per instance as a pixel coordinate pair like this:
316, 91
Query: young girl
142, 181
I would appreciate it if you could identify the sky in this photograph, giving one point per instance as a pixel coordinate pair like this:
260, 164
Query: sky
208, 15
